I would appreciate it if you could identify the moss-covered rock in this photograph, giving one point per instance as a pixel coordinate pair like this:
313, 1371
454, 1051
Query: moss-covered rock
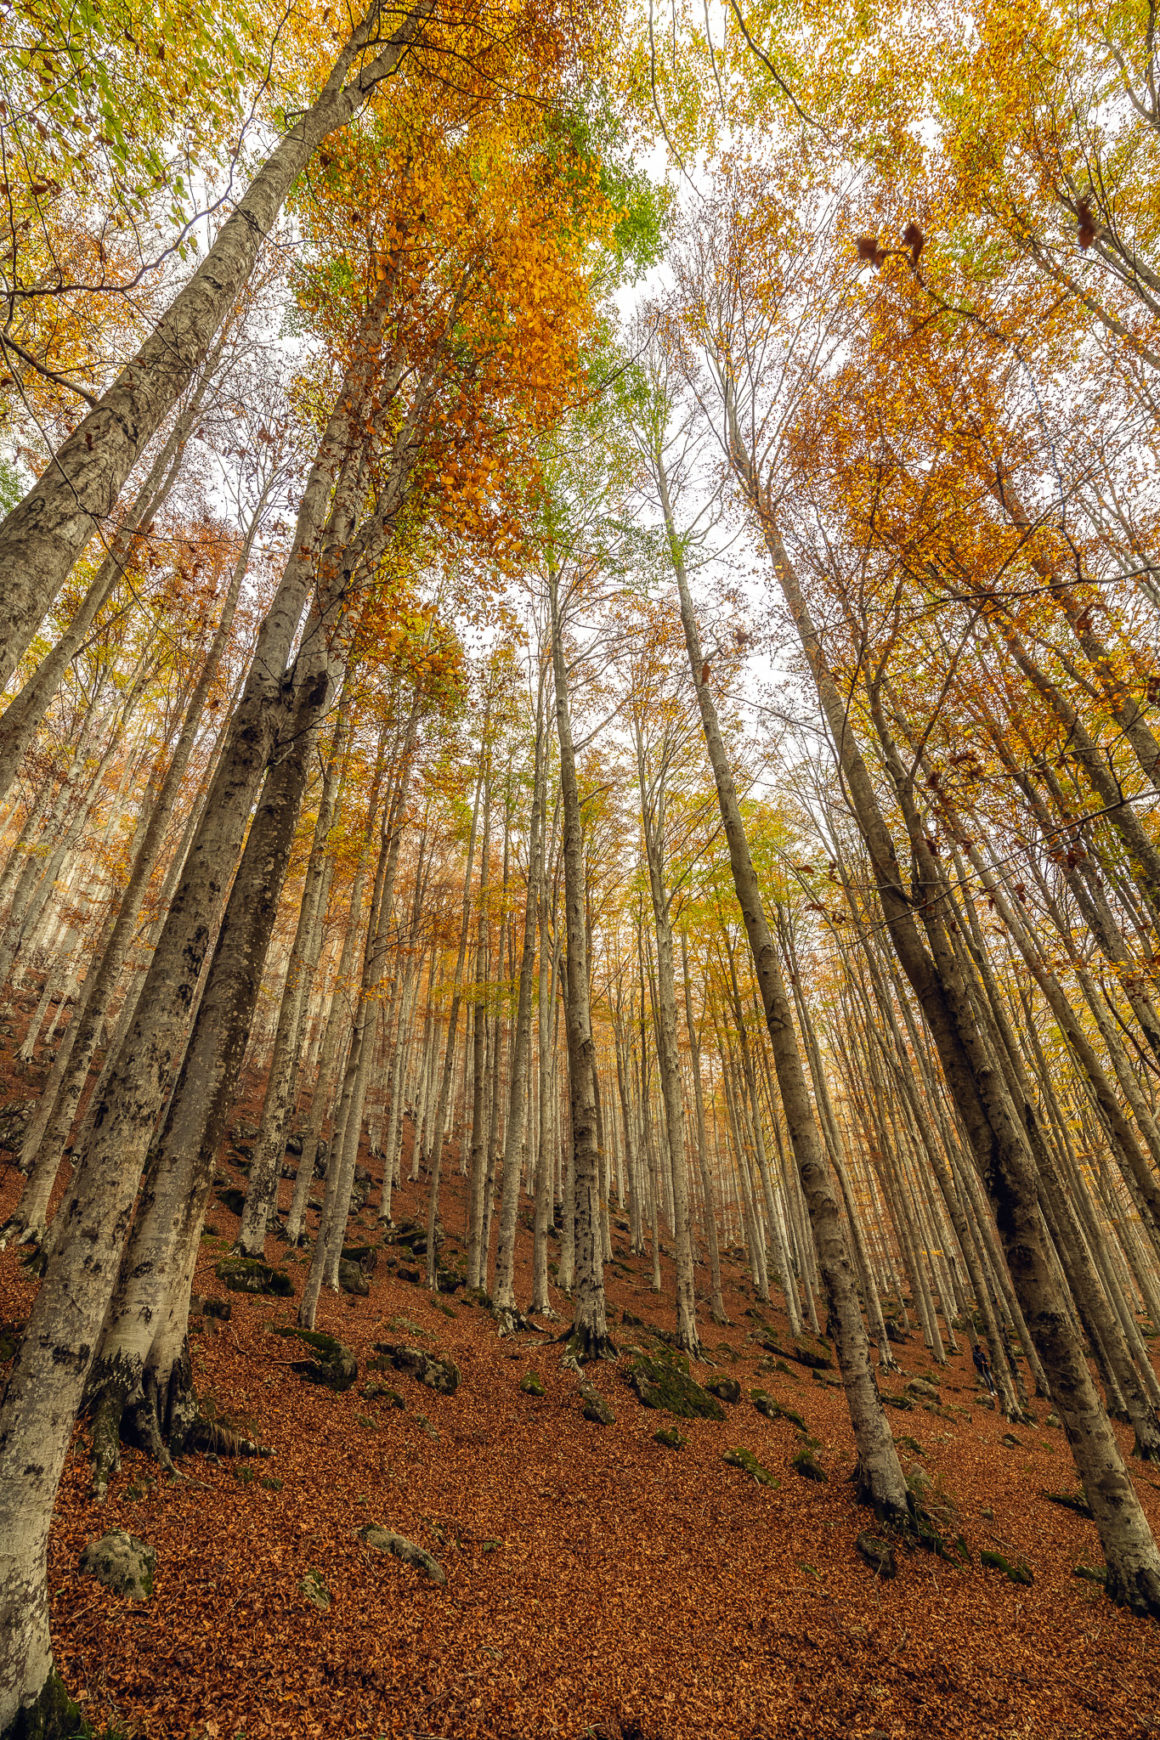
919, 1390
1015, 1570
807, 1465
353, 1279
530, 1385
441, 1375
387, 1541
595, 1408
376, 1392
1091, 1573
744, 1459
122, 1563
670, 1438
726, 1389
315, 1591
664, 1382
334, 1366
814, 1354
366, 1256
775, 1410
248, 1275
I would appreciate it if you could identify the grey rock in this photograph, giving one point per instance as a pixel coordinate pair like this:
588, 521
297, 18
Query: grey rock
878, 1554
248, 1275
122, 1563
352, 1279
333, 1366
922, 1391
440, 1375
726, 1389
595, 1407
386, 1541
315, 1591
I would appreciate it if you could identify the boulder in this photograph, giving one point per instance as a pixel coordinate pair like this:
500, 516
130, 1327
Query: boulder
670, 1438
233, 1199
748, 1464
376, 1392
595, 1407
386, 1541
878, 1554
817, 1357
353, 1279
807, 1465
366, 1256
122, 1563
333, 1365
294, 1145
920, 1390
773, 1409
664, 1382
248, 1275
726, 1389
531, 1385
440, 1375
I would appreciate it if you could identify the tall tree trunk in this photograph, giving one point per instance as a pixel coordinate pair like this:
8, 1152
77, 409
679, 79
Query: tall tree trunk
879, 1475
588, 1337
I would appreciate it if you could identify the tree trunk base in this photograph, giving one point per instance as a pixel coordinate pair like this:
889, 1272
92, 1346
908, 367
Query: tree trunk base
17, 1231
162, 1417
510, 1320
584, 1345
53, 1716
1139, 1592
896, 1516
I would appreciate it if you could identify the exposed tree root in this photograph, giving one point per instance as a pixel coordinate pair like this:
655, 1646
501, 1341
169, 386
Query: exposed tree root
510, 1320
17, 1231
1139, 1592
162, 1419
584, 1345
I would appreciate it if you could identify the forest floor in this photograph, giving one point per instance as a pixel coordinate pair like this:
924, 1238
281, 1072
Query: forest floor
600, 1586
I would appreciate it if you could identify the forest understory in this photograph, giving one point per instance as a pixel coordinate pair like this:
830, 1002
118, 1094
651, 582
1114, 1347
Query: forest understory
600, 1585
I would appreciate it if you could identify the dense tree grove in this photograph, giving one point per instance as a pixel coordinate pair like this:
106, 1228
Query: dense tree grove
638, 689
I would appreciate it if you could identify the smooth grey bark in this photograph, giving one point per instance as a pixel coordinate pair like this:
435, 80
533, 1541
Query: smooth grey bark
47, 1382
879, 1475
652, 800
270, 1146
709, 1208
981, 1098
344, 1152
504, 1296
444, 1100
588, 1337
48, 1133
